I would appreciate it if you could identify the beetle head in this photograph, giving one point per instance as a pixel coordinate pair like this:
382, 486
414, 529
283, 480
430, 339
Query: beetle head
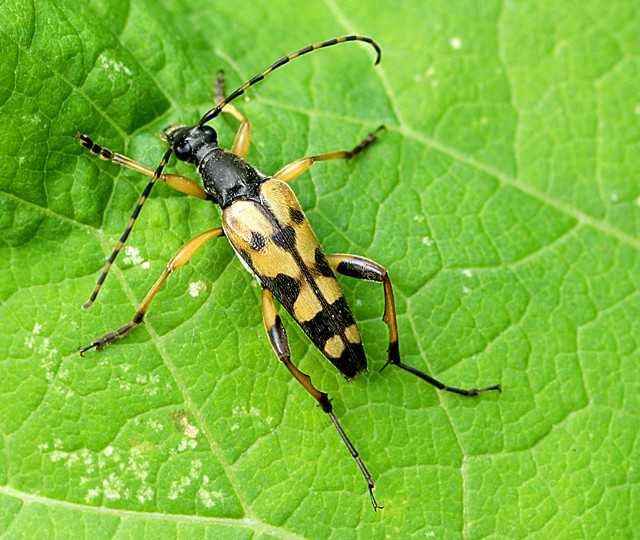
187, 141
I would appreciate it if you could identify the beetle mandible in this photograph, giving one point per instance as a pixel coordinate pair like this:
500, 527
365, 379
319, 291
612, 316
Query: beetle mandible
268, 230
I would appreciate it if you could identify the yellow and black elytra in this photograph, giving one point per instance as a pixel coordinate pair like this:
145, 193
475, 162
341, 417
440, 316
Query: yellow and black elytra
263, 221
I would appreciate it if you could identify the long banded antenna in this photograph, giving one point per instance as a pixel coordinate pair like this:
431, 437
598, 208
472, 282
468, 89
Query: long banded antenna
210, 115
88, 143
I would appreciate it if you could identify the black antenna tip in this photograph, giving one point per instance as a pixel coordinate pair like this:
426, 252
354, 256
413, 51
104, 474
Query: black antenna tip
379, 56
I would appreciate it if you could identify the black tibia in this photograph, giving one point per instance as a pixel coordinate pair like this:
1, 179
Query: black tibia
362, 268
279, 342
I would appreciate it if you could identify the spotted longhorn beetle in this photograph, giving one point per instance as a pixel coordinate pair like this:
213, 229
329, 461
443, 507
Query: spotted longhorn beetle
263, 221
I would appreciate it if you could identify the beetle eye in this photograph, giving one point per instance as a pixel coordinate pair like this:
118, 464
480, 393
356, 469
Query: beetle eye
209, 134
183, 151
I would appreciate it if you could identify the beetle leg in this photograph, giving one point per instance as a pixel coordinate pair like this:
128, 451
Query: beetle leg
173, 180
279, 342
181, 257
362, 268
296, 168
180, 183
243, 136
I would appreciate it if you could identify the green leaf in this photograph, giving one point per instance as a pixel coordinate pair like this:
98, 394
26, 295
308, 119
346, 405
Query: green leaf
503, 198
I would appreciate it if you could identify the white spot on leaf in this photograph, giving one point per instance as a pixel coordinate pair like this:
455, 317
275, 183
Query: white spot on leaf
427, 241
196, 287
456, 43
132, 257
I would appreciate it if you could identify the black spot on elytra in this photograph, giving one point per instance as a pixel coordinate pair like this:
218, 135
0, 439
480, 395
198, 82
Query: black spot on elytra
258, 241
286, 289
322, 264
296, 215
332, 321
329, 322
285, 238
352, 360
